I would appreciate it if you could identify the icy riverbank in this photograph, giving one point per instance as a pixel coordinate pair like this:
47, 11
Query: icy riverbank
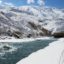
25, 39
52, 54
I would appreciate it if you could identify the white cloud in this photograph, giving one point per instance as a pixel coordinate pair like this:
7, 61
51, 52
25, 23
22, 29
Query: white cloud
9, 4
40, 2
30, 1
0, 2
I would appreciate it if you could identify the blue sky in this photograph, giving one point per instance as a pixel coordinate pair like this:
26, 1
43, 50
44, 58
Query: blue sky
51, 3
55, 3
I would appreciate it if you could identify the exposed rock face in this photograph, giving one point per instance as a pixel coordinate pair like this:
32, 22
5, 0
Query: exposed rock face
58, 34
33, 25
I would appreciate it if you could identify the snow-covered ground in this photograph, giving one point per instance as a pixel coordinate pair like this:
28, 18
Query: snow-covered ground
52, 54
13, 40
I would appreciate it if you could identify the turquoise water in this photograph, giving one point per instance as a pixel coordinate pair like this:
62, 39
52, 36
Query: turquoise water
22, 50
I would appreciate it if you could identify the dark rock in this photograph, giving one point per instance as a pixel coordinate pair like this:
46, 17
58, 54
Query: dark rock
41, 34
58, 35
33, 25
29, 35
46, 32
17, 34
40, 20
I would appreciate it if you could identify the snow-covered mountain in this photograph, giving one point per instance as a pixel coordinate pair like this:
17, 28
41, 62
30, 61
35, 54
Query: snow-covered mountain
31, 21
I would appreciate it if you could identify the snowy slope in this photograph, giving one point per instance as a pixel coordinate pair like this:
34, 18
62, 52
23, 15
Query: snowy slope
33, 20
52, 18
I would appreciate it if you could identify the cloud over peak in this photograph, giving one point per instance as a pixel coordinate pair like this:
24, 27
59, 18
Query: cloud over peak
30, 1
39, 2
0, 2
9, 4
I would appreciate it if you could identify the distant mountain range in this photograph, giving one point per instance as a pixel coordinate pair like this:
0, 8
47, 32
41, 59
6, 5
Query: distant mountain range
31, 21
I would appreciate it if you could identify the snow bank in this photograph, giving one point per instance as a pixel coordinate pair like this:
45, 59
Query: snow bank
17, 40
52, 54
24, 39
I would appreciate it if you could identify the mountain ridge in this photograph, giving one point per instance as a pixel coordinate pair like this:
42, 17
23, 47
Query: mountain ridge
31, 21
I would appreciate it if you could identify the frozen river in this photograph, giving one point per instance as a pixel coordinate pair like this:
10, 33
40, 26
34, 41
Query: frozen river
11, 53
